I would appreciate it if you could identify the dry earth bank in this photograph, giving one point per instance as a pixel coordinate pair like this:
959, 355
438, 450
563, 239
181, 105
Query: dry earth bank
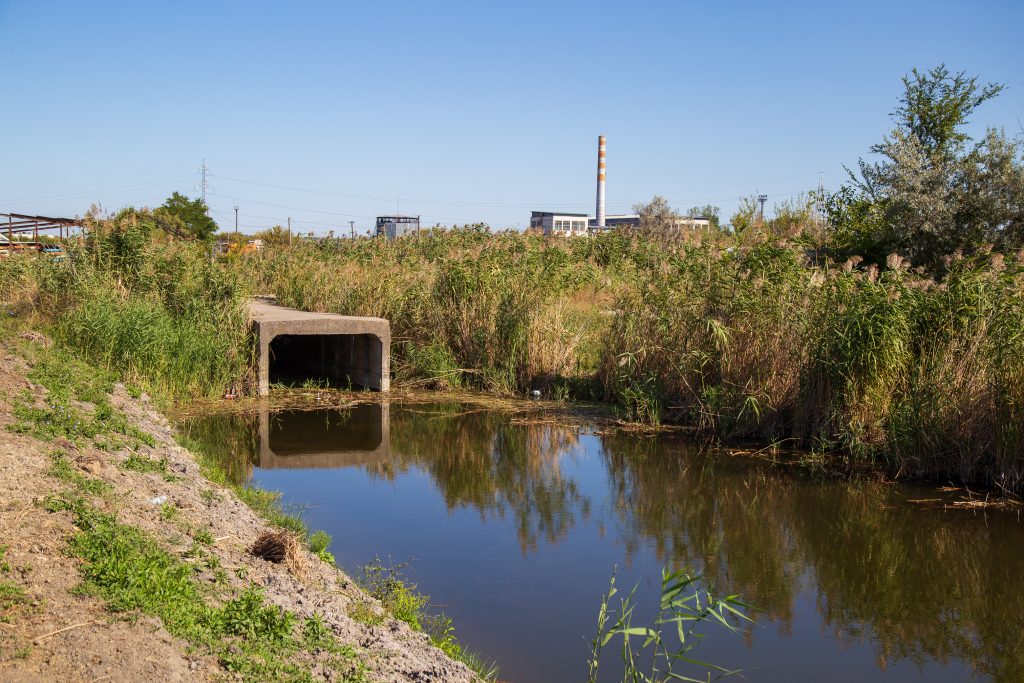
52, 630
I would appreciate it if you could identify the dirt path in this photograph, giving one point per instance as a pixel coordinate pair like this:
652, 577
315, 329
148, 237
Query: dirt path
49, 631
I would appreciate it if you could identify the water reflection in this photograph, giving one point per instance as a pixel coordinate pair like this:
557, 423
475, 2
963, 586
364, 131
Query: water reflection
920, 586
325, 439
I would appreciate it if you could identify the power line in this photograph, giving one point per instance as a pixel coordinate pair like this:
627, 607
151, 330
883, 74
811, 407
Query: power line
518, 203
105, 190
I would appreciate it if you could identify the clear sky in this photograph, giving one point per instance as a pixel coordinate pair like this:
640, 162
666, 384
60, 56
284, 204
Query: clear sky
464, 112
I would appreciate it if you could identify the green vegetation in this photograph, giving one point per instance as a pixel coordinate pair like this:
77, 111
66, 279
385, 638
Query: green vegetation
141, 463
934, 190
181, 216
402, 601
11, 594
684, 607
77, 406
132, 573
319, 542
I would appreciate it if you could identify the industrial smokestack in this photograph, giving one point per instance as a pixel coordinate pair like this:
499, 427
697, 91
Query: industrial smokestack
600, 181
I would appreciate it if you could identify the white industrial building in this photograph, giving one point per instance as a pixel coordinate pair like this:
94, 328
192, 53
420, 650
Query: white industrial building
565, 224
575, 224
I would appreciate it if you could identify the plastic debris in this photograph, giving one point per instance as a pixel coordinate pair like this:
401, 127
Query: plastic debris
159, 500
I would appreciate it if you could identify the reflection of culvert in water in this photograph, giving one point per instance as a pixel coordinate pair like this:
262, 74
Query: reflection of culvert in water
326, 439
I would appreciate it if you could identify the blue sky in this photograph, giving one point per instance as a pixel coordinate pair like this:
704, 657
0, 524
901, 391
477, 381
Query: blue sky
464, 112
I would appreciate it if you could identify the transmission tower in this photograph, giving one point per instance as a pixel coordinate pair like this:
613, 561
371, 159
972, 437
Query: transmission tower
762, 198
204, 183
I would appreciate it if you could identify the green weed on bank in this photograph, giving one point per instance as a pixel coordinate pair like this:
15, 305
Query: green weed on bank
401, 600
132, 573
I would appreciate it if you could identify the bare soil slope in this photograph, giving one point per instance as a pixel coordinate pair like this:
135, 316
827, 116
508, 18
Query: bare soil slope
49, 631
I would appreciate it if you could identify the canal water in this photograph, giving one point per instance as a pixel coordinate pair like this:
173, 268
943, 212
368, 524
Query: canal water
515, 528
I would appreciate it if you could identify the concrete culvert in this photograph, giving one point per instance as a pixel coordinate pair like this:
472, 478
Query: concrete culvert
336, 350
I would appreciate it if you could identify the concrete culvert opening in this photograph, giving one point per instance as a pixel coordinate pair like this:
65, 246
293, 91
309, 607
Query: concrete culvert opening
325, 348
335, 360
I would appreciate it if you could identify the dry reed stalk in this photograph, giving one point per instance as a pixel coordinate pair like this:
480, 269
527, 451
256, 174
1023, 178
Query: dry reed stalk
280, 547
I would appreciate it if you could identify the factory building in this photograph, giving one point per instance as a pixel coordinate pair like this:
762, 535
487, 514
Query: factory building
397, 226
565, 224
574, 224
633, 221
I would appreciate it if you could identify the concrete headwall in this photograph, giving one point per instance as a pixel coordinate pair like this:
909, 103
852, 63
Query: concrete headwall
338, 348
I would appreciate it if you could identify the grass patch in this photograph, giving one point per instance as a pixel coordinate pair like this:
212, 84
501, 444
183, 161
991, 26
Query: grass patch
131, 572
11, 594
203, 536
141, 463
319, 542
71, 387
63, 470
365, 611
404, 602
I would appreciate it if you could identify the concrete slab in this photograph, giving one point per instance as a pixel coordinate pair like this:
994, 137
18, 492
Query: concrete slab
339, 348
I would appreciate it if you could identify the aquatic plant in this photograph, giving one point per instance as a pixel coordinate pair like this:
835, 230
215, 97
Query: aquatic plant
666, 646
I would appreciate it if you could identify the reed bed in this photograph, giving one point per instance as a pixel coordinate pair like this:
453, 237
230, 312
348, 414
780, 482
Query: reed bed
754, 341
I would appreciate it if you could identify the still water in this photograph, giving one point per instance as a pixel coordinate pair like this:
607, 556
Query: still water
514, 529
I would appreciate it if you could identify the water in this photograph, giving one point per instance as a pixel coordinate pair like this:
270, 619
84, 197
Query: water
515, 529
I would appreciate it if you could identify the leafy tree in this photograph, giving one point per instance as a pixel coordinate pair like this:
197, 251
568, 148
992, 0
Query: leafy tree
656, 216
934, 190
746, 216
276, 236
709, 212
936, 104
184, 217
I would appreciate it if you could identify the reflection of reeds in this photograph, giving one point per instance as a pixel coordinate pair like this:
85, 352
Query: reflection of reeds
232, 441
917, 585
477, 459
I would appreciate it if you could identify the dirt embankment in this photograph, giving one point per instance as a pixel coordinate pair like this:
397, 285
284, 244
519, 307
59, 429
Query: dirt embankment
50, 630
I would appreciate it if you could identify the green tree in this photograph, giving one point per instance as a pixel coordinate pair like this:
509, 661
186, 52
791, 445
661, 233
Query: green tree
184, 217
707, 211
276, 236
935, 106
933, 191
656, 216
747, 215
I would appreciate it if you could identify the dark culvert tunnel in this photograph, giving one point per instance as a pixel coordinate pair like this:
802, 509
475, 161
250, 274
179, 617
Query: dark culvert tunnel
334, 360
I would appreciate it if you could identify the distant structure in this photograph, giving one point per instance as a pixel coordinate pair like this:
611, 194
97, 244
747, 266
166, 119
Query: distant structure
615, 221
576, 224
600, 220
557, 223
397, 226
633, 221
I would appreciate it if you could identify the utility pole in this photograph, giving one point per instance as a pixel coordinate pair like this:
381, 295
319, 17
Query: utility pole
820, 204
236, 219
289, 231
762, 198
352, 229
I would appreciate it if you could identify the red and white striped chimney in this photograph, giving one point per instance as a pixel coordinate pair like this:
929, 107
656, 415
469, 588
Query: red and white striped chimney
600, 181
